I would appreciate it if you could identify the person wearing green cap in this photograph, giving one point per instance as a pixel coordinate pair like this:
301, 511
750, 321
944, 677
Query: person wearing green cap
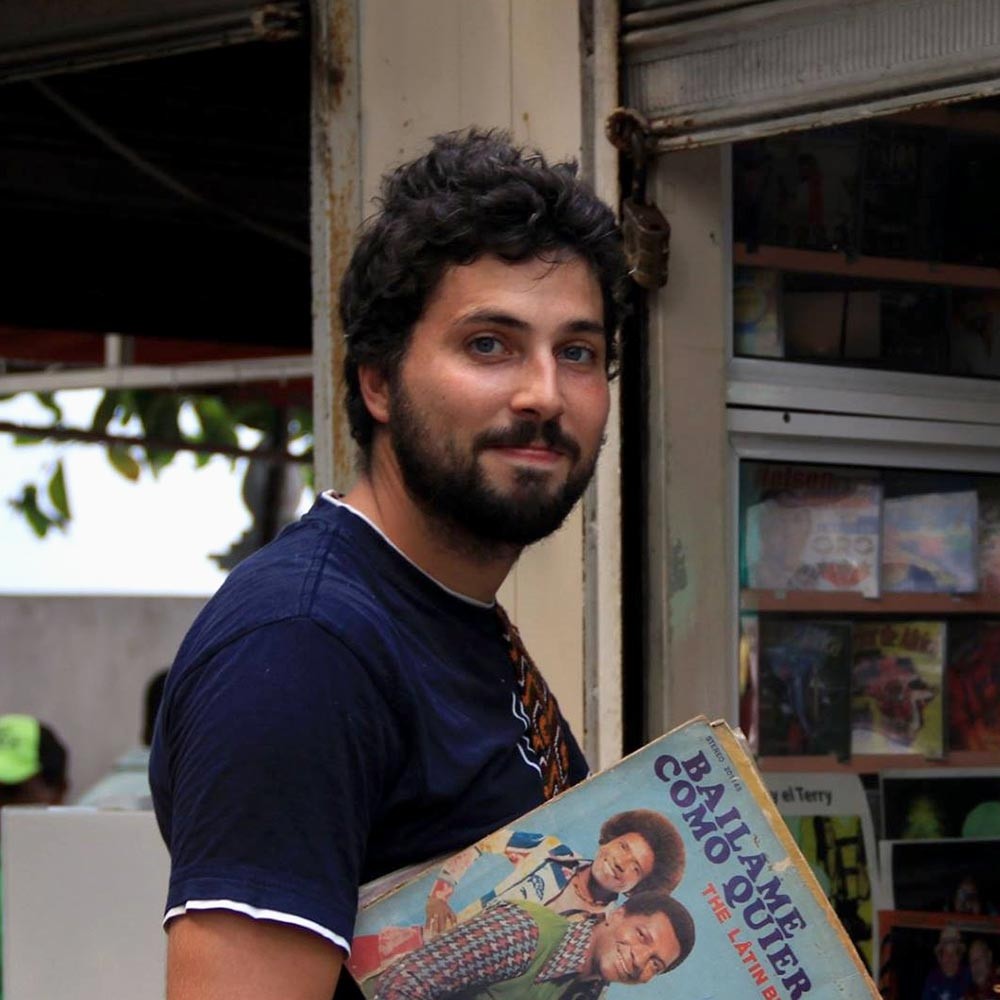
32, 772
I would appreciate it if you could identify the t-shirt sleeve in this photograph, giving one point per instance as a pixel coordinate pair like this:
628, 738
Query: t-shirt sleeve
279, 749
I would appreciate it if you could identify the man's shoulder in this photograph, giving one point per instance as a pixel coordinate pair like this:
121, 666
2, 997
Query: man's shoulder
326, 568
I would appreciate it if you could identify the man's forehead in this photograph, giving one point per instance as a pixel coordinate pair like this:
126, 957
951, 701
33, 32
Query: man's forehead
489, 275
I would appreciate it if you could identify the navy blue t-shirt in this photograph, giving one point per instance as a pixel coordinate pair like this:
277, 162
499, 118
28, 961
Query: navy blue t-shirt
332, 715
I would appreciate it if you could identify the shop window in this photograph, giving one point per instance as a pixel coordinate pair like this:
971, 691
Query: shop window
872, 245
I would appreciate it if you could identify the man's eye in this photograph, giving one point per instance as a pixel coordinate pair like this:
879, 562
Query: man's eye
579, 353
486, 345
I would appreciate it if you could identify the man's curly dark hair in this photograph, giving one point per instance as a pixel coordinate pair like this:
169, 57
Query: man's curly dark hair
663, 839
473, 193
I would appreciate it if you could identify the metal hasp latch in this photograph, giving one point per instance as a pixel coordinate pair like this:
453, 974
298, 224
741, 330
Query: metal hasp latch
645, 229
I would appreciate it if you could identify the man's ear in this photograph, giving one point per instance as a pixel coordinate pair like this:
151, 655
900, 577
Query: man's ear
374, 387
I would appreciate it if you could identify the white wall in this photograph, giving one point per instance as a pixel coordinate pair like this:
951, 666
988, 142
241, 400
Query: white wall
692, 645
81, 664
430, 66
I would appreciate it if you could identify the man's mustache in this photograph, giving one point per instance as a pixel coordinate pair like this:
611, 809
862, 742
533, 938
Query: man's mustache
525, 433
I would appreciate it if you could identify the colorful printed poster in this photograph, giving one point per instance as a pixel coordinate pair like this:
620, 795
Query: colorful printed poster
955, 876
989, 540
931, 543
757, 313
940, 804
750, 679
670, 874
973, 677
897, 688
812, 200
974, 331
829, 817
805, 683
814, 528
934, 956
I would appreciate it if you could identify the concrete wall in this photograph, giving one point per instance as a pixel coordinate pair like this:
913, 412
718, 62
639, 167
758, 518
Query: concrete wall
81, 664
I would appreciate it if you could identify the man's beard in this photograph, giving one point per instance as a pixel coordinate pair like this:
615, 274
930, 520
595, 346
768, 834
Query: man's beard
450, 487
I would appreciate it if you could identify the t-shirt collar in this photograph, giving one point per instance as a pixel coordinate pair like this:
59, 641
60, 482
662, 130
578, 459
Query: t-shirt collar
331, 496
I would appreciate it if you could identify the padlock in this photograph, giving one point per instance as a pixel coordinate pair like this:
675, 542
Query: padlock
646, 235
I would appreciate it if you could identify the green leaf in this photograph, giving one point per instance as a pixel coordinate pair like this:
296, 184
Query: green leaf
28, 506
159, 415
126, 407
217, 426
158, 459
161, 418
23, 439
48, 400
57, 493
123, 462
105, 412
145, 399
255, 413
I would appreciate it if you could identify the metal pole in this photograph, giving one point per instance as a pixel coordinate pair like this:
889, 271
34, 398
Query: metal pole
602, 503
280, 369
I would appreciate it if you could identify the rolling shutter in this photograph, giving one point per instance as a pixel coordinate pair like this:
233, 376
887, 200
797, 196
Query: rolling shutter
712, 71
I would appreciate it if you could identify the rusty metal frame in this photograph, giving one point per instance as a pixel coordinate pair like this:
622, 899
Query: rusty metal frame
58, 36
336, 210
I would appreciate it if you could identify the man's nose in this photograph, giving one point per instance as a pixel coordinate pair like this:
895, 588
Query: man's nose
538, 392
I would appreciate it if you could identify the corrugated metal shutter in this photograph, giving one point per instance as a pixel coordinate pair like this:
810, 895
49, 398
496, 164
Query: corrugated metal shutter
39, 37
709, 71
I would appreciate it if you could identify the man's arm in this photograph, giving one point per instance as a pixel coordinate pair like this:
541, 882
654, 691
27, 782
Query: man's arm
220, 955
266, 786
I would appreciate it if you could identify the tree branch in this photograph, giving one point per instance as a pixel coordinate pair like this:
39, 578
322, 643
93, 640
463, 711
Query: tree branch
58, 433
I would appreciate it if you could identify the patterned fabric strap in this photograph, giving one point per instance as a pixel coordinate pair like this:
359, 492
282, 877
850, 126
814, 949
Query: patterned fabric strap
546, 727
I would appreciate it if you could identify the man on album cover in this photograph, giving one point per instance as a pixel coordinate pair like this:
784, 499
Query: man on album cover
516, 949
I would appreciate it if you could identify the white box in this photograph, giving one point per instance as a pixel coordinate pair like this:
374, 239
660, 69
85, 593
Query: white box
83, 898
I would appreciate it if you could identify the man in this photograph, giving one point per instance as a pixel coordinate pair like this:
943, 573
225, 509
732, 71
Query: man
353, 701
985, 983
519, 949
32, 772
949, 979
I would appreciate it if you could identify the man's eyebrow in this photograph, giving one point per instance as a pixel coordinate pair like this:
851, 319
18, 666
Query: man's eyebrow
493, 317
496, 317
585, 326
